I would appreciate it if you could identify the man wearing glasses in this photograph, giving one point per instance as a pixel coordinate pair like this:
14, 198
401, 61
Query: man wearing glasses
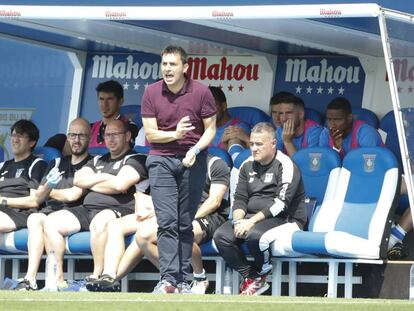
20, 177
110, 99
110, 179
57, 190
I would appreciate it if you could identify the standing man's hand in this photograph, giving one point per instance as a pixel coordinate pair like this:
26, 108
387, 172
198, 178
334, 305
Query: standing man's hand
190, 158
183, 127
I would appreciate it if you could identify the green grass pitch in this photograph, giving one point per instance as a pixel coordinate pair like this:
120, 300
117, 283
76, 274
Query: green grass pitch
43, 301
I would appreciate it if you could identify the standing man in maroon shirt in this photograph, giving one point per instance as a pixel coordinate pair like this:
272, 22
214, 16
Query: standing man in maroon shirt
179, 118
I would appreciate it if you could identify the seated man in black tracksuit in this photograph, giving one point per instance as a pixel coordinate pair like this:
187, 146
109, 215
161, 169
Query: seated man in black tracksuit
269, 197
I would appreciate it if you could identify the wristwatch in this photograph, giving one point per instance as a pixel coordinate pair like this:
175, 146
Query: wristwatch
4, 202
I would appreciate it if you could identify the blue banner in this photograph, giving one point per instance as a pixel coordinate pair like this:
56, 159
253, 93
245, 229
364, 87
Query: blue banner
318, 80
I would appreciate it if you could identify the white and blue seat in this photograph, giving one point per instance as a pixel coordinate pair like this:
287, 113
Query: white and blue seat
47, 153
367, 116
249, 115
354, 220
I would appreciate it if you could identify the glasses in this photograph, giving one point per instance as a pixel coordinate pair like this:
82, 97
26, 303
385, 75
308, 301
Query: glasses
19, 136
113, 135
81, 136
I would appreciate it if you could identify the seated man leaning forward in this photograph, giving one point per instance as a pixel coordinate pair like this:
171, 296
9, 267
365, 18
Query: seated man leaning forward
269, 199
20, 177
343, 133
111, 180
57, 191
296, 132
232, 134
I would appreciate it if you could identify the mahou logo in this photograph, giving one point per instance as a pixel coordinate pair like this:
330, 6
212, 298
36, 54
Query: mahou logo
104, 68
297, 70
200, 69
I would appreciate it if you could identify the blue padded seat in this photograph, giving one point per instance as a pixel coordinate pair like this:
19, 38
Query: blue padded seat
313, 115
354, 220
142, 149
317, 165
387, 124
97, 150
14, 242
1, 154
249, 115
46, 153
367, 116
79, 243
132, 112
218, 152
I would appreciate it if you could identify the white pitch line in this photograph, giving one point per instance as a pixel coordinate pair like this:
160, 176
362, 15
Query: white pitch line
327, 302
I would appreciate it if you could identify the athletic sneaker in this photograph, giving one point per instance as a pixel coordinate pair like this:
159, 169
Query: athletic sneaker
91, 278
397, 252
25, 285
184, 288
165, 287
254, 287
105, 283
62, 286
199, 286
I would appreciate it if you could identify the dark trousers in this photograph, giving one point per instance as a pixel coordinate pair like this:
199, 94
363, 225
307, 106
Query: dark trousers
258, 242
176, 192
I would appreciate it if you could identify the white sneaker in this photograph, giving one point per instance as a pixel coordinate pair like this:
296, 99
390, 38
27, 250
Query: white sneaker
199, 286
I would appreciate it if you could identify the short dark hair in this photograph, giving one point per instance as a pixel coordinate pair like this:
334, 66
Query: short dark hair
218, 94
174, 49
111, 86
340, 103
288, 98
26, 127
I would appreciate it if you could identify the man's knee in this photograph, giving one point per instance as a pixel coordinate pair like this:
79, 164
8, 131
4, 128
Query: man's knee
35, 220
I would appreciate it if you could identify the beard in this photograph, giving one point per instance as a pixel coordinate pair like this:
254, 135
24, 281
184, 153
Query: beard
79, 151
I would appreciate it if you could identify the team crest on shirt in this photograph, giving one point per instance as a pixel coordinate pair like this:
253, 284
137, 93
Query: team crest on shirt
369, 162
268, 177
19, 172
315, 161
117, 165
2, 175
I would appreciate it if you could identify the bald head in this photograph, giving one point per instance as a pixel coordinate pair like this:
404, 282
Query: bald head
79, 136
83, 123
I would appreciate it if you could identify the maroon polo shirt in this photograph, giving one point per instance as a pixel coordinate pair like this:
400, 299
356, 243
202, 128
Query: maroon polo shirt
194, 100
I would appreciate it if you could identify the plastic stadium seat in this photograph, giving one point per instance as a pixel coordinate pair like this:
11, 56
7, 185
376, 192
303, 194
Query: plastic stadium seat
47, 153
314, 115
218, 152
367, 116
387, 124
14, 242
97, 150
319, 167
354, 220
142, 149
1, 154
132, 112
249, 115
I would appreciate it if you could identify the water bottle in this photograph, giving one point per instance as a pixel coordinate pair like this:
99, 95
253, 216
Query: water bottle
227, 288
411, 288
51, 271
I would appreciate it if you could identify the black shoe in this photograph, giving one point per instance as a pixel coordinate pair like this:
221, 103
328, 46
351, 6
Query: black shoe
24, 285
105, 283
397, 252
